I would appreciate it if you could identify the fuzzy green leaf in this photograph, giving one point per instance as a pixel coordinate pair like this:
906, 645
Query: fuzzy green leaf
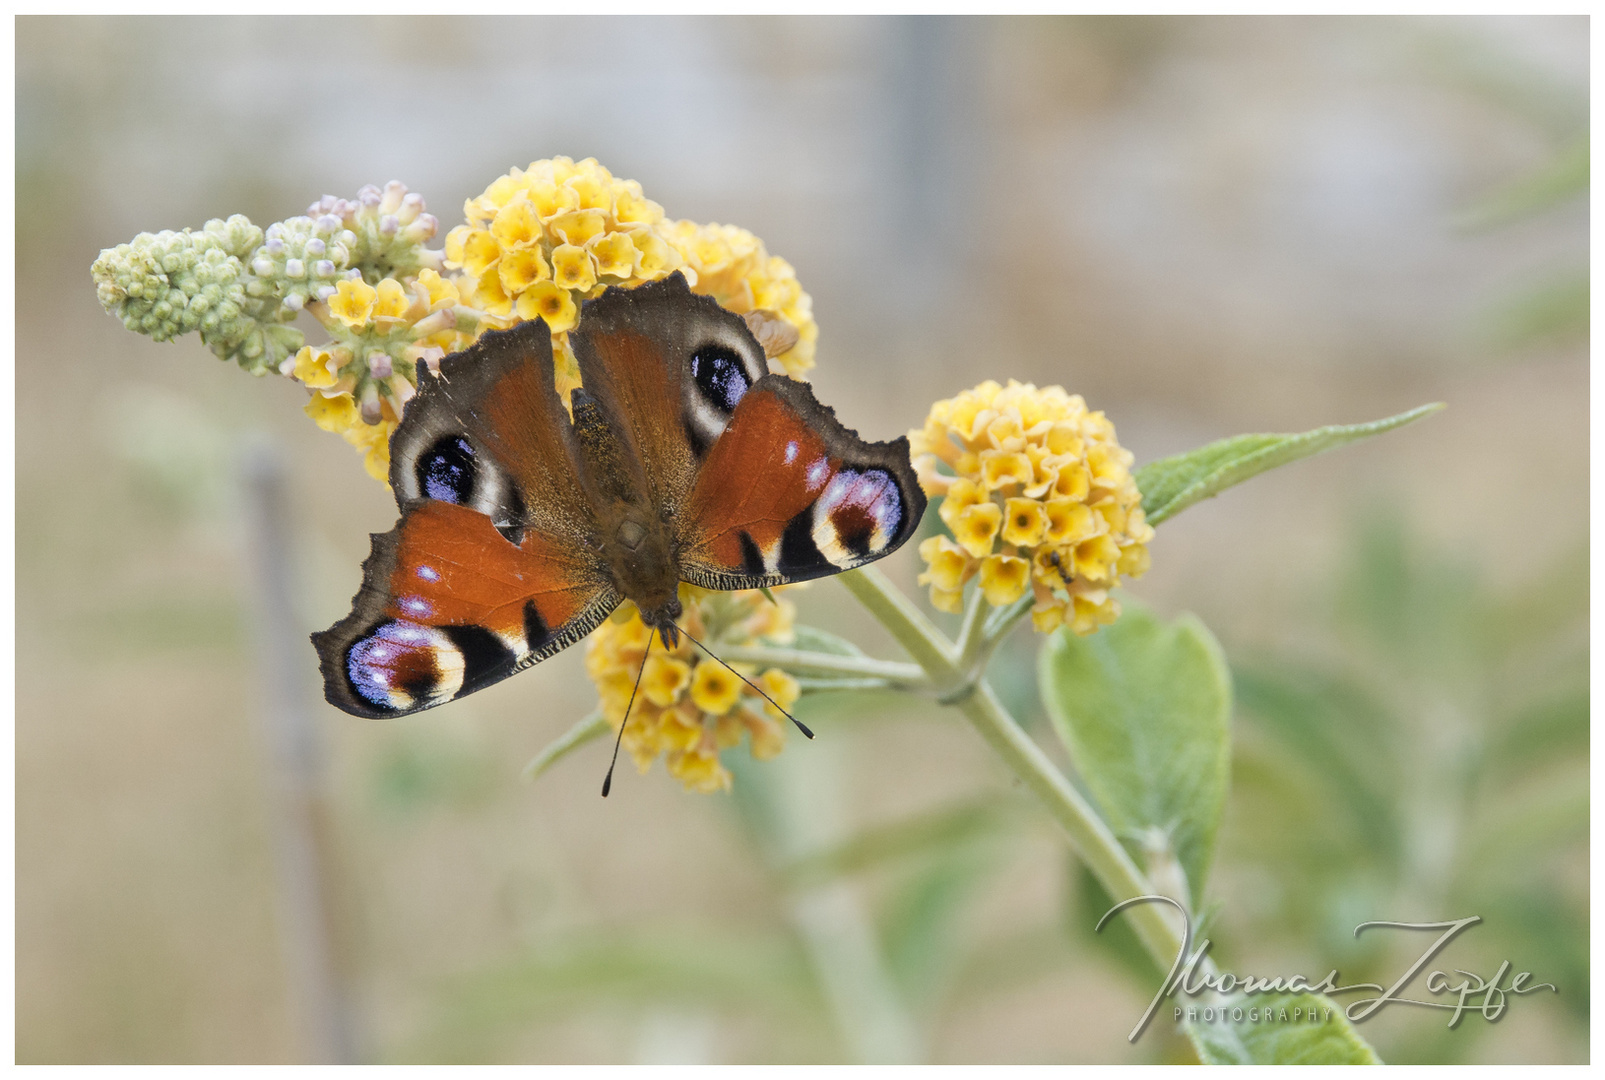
1144, 709
1330, 1040
1172, 484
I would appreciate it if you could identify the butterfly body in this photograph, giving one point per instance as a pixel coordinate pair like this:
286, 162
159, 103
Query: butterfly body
524, 524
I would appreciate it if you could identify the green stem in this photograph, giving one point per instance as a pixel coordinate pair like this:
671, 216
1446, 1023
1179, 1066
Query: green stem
1004, 620
908, 624
806, 662
972, 641
1089, 835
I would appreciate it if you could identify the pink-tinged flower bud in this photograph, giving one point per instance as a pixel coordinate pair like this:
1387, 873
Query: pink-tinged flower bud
323, 268
295, 301
369, 195
275, 246
395, 191
371, 413
328, 223
380, 365
263, 267
316, 247
287, 366
388, 225
294, 268
325, 291
411, 207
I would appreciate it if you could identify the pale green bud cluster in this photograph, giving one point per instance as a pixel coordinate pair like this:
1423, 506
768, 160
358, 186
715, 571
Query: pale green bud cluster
387, 228
170, 283
237, 285
301, 260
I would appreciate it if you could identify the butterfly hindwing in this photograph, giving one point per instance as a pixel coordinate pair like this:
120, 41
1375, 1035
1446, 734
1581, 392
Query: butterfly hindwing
667, 368
449, 606
787, 493
489, 432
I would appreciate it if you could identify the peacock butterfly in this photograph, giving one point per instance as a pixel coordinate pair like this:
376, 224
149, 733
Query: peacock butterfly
523, 525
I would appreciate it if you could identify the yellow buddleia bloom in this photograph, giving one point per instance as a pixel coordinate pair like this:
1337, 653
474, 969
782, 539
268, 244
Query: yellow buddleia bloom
690, 707
732, 266
1040, 500
557, 225
352, 302
538, 242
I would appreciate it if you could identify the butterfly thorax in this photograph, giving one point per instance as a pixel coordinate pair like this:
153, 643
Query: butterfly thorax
636, 538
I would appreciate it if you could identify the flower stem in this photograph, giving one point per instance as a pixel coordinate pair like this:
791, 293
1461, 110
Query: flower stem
807, 662
1089, 835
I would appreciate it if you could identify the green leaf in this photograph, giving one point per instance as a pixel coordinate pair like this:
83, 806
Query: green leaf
1332, 1041
591, 727
1172, 484
1143, 708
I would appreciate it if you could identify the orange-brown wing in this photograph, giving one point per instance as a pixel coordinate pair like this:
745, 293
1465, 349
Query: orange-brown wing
490, 433
449, 605
667, 368
787, 494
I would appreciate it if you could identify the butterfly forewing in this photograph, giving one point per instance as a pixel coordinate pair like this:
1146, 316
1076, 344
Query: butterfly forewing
448, 606
788, 494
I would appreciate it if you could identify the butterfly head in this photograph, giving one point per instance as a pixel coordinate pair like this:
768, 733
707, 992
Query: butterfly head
663, 620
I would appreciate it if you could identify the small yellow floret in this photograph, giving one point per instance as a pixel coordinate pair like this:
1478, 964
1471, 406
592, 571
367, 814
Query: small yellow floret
313, 367
1025, 520
352, 302
1004, 578
976, 527
714, 689
550, 301
663, 679
572, 268
335, 413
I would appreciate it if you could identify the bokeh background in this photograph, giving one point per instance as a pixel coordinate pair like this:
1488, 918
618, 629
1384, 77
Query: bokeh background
1204, 225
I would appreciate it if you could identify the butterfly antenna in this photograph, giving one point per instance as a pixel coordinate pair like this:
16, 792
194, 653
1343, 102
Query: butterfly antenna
607, 781
802, 727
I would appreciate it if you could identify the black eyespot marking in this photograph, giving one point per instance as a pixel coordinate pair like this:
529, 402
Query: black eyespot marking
391, 656
719, 375
751, 558
486, 657
446, 470
536, 632
799, 555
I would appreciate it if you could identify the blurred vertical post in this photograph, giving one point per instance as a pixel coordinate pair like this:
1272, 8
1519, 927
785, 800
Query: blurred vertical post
298, 808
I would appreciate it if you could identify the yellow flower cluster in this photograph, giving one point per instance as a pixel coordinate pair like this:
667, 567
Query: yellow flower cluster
538, 241
690, 707
732, 266
365, 375
1038, 495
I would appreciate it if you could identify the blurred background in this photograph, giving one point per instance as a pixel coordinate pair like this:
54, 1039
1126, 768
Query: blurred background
1204, 225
